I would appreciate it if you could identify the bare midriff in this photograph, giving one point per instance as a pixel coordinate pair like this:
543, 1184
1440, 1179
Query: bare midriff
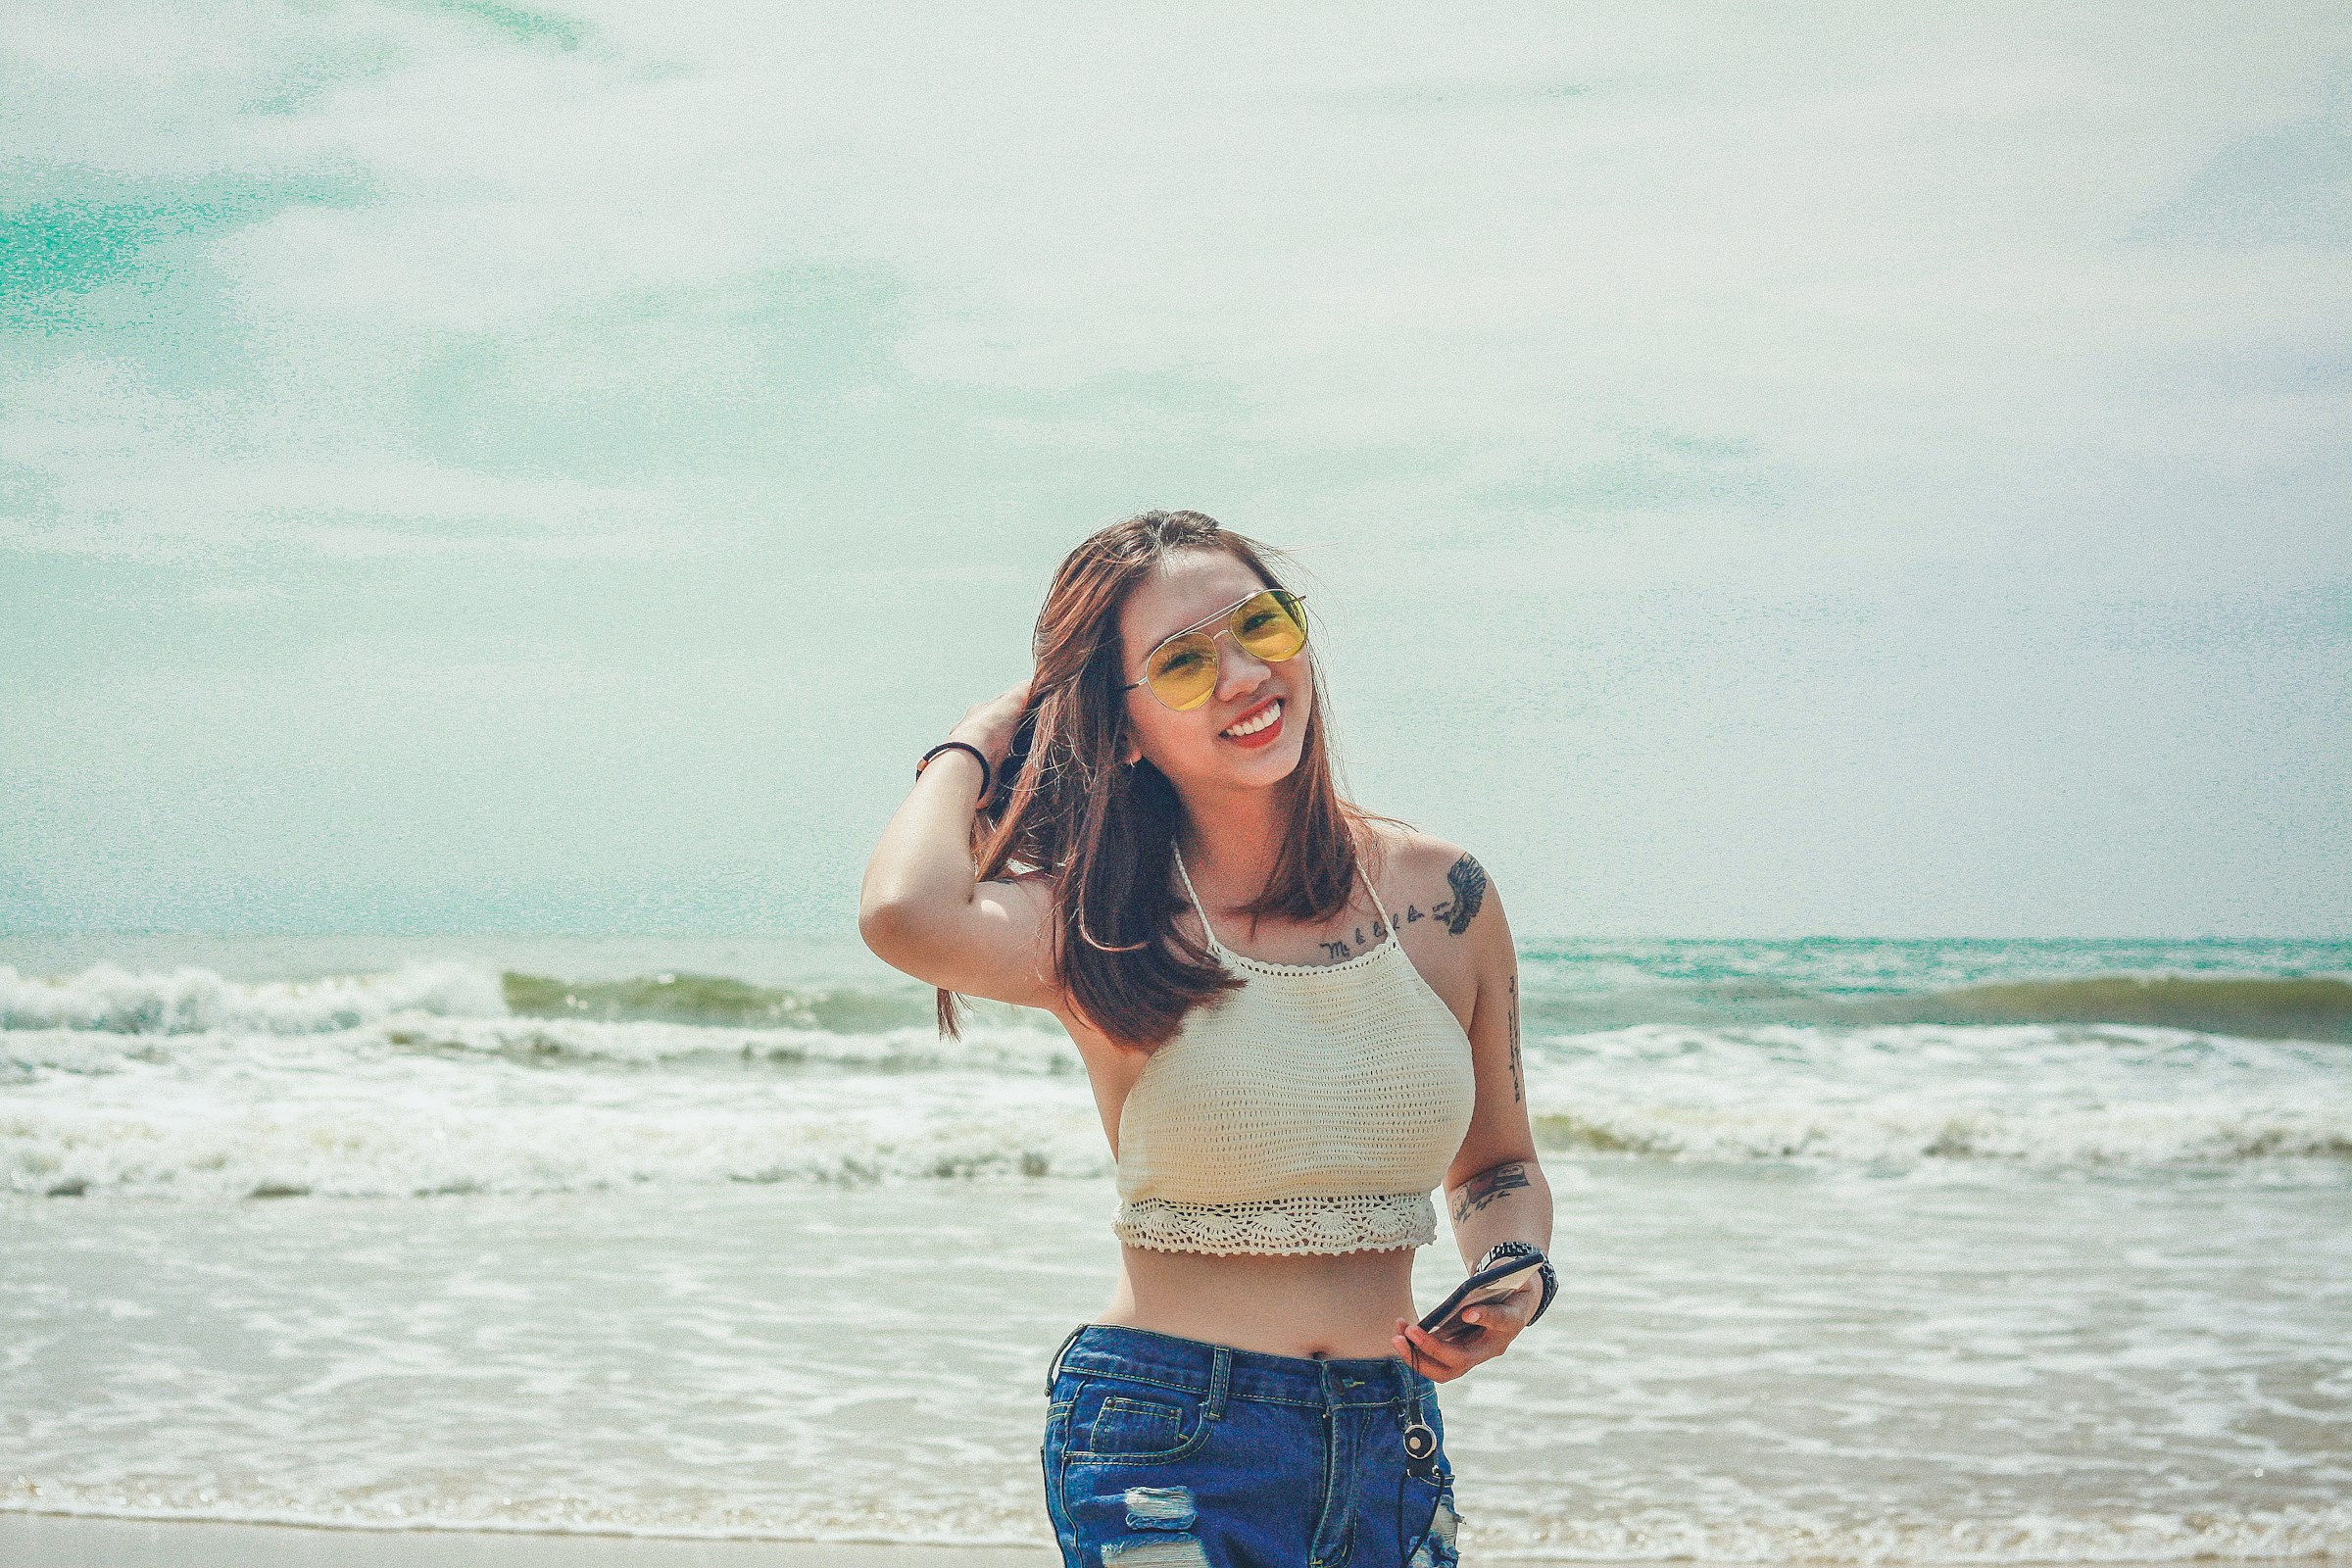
1325, 1305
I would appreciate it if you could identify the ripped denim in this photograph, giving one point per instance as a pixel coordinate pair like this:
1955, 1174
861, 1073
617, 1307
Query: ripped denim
1162, 1451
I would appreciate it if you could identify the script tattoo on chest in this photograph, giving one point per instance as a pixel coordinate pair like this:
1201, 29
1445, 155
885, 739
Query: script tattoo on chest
1487, 1186
1469, 882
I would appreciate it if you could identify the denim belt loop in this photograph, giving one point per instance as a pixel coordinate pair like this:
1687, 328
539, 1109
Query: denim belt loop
1220, 1377
1053, 1372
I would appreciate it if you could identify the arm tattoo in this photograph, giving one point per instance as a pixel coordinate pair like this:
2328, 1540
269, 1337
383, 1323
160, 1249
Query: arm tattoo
1518, 1085
1487, 1186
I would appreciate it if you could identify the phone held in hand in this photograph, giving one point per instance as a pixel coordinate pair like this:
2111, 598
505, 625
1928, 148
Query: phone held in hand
1511, 1275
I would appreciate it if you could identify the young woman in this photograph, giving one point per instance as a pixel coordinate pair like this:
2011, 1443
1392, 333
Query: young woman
1297, 1017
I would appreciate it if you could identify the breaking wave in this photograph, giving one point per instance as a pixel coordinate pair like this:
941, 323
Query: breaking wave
2127, 1136
457, 1077
2289, 1007
362, 1152
194, 1000
189, 999
2301, 1007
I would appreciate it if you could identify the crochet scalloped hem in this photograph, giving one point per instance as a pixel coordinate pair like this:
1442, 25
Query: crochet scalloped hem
1302, 1224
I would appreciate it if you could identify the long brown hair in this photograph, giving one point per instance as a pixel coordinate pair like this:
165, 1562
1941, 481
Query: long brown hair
1106, 831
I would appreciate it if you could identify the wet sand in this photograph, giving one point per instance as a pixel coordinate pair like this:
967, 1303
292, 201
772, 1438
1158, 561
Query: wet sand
41, 1540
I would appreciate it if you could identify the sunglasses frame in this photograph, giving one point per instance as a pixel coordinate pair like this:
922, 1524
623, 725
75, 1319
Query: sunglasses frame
1226, 615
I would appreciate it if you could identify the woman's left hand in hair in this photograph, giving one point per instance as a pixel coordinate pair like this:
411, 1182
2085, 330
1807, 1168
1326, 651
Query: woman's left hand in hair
1497, 1324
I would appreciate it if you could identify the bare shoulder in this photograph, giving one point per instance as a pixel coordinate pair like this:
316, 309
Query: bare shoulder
1447, 914
1437, 878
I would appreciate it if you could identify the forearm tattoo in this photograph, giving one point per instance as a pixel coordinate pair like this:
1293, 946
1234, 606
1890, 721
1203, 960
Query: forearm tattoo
1488, 1186
1469, 881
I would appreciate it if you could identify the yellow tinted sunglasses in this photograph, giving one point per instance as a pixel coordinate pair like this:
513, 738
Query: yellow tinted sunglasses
1181, 671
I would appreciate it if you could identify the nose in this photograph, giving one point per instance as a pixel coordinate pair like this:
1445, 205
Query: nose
1239, 670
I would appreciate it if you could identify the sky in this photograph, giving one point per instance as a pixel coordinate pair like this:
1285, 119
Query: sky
1755, 470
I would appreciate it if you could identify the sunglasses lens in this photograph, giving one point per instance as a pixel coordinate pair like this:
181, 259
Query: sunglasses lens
1271, 627
1185, 671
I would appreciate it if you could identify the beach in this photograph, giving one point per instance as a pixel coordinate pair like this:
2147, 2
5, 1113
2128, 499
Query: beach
640, 1252
37, 1542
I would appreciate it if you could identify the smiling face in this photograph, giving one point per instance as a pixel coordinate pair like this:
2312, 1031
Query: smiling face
1190, 746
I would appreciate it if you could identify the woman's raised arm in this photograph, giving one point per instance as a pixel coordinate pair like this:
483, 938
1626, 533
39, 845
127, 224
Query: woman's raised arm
922, 909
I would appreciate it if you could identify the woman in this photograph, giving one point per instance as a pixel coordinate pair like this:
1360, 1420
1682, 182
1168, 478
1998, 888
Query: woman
1257, 1391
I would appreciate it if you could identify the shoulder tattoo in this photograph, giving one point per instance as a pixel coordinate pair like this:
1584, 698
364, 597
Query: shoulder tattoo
1468, 879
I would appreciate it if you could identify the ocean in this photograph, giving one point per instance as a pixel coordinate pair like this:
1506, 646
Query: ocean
1870, 1250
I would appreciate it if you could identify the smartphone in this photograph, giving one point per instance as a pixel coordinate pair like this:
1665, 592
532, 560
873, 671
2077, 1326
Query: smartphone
1487, 1284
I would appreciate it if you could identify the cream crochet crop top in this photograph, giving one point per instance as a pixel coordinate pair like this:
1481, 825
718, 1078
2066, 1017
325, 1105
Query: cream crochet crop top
1311, 1111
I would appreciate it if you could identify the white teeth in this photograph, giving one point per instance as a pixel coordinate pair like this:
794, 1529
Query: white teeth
1253, 725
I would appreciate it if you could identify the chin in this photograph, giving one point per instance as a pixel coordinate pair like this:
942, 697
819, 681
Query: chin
1277, 763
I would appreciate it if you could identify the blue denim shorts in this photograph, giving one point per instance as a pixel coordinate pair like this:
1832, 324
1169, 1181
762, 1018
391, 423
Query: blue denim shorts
1164, 1450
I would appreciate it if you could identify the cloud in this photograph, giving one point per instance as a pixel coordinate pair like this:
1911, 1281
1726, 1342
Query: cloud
2289, 186
105, 469
1803, 394
1929, 279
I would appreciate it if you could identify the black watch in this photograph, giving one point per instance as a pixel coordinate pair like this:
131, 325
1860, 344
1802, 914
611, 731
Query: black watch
1503, 1250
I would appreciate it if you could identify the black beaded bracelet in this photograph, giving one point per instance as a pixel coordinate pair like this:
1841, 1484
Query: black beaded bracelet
986, 772
1551, 1281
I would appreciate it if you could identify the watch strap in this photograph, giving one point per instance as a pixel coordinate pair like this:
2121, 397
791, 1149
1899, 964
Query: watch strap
1551, 1281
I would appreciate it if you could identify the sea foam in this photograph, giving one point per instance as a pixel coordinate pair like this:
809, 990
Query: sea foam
191, 1000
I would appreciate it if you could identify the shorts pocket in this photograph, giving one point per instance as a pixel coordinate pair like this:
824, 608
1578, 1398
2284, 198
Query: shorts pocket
1138, 1423
1134, 1426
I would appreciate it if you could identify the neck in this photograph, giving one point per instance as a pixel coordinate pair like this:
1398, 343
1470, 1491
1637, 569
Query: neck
1231, 841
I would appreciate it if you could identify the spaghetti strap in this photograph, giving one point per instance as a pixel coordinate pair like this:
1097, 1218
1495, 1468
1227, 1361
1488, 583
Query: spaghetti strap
1214, 945
1380, 911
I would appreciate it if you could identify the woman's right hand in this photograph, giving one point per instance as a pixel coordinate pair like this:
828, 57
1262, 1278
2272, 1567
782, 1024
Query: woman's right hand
991, 725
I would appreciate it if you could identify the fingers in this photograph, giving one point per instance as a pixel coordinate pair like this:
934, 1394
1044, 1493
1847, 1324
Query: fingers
993, 725
1511, 1312
1436, 1360
1422, 1354
1491, 1328
1007, 704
